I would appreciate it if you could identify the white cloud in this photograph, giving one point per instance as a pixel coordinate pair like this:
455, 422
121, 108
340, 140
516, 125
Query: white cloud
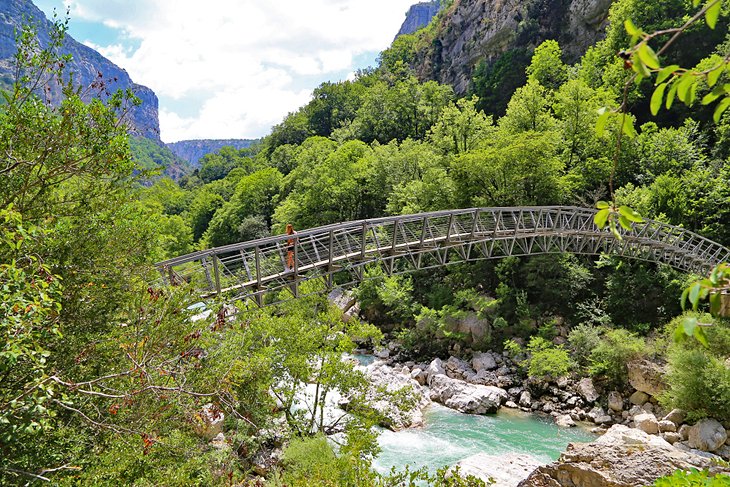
247, 55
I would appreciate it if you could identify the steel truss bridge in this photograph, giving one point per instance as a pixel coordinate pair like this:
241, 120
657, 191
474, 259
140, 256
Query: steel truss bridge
252, 270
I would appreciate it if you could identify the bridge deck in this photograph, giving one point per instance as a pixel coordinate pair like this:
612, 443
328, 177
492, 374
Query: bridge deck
401, 243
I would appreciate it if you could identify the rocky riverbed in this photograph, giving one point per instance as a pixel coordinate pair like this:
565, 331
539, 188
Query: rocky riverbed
640, 442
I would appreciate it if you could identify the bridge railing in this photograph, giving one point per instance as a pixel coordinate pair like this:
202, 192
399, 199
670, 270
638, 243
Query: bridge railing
255, 268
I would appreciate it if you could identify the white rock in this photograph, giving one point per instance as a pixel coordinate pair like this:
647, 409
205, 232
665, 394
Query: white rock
638, 398
707, 435
676, 416
586, 389
646, 376
382, 353
647, 423
615, 401
436, 367
565, 421
465, 397
667, 426
671, 437
505, 470
483, 361
525, 399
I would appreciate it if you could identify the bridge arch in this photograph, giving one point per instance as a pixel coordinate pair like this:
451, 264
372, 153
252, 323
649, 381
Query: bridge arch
250, 270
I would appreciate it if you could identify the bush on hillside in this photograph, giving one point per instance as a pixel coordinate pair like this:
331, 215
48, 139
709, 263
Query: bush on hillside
609, 358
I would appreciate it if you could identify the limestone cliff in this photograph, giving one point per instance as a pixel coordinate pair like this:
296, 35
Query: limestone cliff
469, 31
418, 16
87, 65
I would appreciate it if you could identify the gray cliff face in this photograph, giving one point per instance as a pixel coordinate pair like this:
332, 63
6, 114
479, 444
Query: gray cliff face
473, 30
418, 16
87, 66
194, 150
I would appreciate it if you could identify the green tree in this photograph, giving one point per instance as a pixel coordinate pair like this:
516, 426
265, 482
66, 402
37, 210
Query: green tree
460, 127
254, 197
547, 66
528, 110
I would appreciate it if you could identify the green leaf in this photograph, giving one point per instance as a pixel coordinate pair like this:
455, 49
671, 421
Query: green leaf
683, 87
656, 98
712, 13
600, 218
602, 205
683, 301
614, 230
714, 74
627, 126
624, 222
631, 29
648, 56
694, 294
672, 93
601, 122
630, 214
689, 324
639, 67
679, 334
715, 303
721, 107
716, 93
666, 72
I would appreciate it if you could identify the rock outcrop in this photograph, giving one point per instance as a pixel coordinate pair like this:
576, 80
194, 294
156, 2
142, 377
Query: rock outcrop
87, 65
647, 377
465, 397
506, 470
622, 457
707, 435
384, 381
475, 30
418, 16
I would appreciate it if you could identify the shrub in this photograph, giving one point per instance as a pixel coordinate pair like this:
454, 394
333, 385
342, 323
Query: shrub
547, 360
699, 383
583, 340
609, 358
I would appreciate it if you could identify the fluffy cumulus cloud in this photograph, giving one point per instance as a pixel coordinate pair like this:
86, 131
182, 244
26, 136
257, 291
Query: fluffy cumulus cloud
252, 61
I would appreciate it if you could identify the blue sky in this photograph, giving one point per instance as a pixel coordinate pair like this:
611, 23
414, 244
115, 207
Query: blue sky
233, 68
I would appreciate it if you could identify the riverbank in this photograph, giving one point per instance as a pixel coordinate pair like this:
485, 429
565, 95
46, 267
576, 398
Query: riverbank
473, 387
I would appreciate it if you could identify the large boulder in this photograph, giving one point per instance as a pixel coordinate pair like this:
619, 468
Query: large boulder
707, 435
465, 397
676, 416
505, 470
638, 398
345, 301
385, 383
646, 376
435, 368
586, 389
457, 368
615, 401
647, 423
483, 361
622, 457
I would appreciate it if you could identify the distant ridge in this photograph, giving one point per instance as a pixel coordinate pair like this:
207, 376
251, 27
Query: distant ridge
194, 150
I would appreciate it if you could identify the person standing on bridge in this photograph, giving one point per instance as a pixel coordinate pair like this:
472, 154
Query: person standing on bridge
290, 247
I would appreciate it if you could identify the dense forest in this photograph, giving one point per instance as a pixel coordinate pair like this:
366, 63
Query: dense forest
106, 380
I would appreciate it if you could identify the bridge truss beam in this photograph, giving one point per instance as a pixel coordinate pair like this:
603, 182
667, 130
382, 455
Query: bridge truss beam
252, 270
